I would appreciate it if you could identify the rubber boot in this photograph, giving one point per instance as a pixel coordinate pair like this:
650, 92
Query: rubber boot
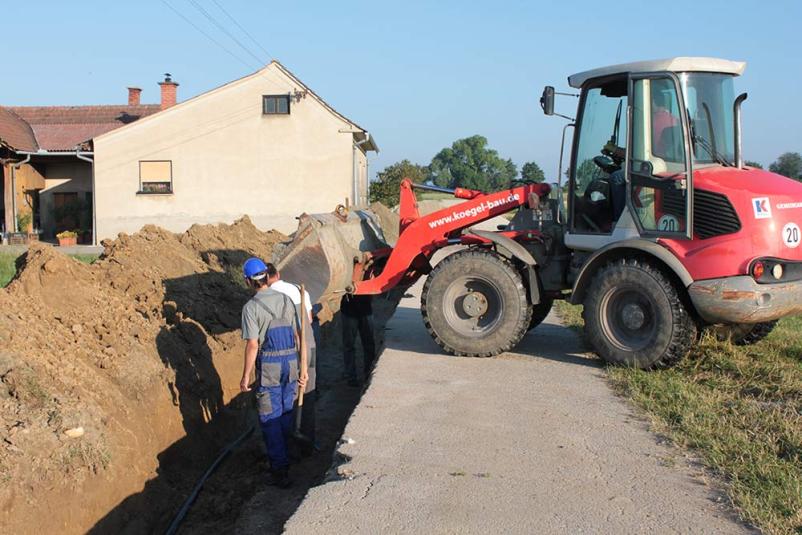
280, 478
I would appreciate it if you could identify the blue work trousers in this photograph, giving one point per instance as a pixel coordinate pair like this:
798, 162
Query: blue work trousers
278, 386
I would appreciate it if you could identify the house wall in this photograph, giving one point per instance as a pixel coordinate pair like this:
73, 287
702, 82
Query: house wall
228, 160
62, 176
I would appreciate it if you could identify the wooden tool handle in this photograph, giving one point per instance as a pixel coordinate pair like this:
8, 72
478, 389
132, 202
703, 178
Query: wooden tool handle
302, 349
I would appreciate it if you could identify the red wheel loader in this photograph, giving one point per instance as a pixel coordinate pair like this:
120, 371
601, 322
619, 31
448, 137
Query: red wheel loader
660, 231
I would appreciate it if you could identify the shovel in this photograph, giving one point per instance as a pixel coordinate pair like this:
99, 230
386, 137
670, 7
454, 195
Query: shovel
302, 439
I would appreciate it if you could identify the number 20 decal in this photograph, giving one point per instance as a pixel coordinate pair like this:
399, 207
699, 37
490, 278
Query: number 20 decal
791, 235
668, 223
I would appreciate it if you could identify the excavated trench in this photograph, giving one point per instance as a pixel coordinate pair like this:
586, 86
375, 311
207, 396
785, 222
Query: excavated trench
119, 386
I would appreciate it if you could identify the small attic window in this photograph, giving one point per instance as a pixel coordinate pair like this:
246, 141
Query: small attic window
276, 104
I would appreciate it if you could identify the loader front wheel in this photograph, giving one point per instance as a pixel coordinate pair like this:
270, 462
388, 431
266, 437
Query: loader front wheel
474, 304
744, 334
634, 316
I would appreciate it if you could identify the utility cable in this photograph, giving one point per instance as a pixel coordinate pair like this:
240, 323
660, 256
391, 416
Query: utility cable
209, 37
182, 513
225, 31
246, 32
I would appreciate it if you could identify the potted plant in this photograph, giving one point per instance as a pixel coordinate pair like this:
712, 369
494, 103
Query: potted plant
67, 238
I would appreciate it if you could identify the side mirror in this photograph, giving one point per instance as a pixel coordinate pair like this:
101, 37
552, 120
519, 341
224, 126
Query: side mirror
547, 100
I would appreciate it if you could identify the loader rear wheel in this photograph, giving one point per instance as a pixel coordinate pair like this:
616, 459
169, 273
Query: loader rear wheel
744, 334
634, 316
474, 304
540, 311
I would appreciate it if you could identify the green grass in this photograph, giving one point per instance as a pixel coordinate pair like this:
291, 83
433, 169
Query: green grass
8, 265
739, 409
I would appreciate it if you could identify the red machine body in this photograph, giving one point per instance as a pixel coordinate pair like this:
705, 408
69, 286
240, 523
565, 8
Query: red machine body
768, 206
420, 236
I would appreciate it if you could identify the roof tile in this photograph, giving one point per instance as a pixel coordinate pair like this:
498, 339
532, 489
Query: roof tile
62, 128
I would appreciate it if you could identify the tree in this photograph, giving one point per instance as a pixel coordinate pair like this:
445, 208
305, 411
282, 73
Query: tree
469, 163
750, 163
385, 189
532, 171
788, 164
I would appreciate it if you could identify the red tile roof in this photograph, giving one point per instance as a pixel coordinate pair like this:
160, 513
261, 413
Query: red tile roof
61, 128
14, 132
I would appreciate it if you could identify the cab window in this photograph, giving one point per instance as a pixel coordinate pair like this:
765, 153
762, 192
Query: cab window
598, 188
658, 189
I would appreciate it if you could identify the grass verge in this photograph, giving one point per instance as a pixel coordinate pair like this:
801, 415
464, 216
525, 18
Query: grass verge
739, 409
8, 267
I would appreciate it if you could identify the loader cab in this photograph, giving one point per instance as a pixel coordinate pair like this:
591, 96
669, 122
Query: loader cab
640, 129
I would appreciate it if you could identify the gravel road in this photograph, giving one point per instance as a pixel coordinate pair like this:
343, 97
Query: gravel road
528, 442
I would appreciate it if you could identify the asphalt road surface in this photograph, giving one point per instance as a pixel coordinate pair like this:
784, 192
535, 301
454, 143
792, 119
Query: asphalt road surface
527, 442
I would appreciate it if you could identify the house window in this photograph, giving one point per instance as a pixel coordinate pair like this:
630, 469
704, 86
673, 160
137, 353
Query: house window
276, 104
156, 176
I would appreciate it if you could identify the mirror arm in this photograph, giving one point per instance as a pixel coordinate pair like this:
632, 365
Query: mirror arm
564, 117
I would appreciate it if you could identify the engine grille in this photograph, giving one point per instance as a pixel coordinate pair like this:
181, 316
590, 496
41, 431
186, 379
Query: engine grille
713, 215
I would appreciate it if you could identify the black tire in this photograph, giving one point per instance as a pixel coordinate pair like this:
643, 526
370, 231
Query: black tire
744, 334
634, 316
474, 304
540, 311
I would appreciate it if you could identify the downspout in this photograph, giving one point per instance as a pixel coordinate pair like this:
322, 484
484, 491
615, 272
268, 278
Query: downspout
84, 157
14, 168
357, 146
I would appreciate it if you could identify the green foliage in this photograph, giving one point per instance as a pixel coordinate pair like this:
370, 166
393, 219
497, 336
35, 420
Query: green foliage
788, 164
750, 163
469, 163
386, 186
8, 267
586, 172
532, 171
739, 409
24, 221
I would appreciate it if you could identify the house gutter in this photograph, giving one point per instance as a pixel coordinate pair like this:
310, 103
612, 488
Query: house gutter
85, 157
357, 146
14, 168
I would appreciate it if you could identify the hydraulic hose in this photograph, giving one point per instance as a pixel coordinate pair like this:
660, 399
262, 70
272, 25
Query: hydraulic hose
182, 513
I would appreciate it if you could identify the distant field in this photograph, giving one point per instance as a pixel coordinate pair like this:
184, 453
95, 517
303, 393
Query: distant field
432, 195
8, 265
739, 409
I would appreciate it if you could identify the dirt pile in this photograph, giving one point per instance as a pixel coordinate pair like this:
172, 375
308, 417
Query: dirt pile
106, 368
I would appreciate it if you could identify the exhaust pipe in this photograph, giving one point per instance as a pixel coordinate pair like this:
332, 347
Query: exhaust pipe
739, 163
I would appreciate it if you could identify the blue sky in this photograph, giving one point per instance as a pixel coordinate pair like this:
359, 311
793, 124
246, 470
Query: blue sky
418, 75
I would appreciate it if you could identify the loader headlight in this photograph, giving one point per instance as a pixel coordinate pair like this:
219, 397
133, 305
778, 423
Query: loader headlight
777, 271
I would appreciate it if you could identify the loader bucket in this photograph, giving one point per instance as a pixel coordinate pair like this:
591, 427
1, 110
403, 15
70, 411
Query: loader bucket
321, 253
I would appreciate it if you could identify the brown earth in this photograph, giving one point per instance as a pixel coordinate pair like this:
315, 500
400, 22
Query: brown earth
138, 354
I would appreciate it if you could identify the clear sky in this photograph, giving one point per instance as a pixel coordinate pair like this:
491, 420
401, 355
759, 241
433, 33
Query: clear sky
418, 75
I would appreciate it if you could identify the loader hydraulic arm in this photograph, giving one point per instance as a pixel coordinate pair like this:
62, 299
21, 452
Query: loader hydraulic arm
420, 236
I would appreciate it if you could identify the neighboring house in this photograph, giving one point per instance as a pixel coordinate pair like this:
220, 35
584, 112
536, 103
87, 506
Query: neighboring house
264, 145
45, 153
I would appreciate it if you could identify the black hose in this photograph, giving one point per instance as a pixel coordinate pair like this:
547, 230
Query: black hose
199, 485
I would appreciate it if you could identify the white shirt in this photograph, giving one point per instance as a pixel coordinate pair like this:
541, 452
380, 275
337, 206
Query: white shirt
292, 291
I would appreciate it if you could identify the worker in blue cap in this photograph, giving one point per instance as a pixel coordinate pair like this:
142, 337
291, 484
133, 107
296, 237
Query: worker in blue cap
269, 328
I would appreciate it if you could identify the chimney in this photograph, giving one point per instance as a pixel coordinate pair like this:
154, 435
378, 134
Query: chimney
168, 91
133, 96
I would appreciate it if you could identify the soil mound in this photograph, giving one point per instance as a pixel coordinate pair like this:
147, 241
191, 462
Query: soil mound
104, 366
